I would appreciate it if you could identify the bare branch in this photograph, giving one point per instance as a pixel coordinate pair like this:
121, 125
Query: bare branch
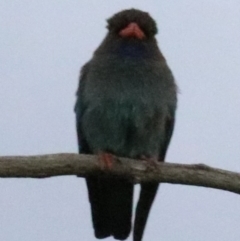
43, 166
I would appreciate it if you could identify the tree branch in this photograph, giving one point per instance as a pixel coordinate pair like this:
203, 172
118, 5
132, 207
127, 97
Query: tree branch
43, 166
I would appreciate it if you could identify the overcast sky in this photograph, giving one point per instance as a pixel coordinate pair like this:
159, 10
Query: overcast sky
44, 43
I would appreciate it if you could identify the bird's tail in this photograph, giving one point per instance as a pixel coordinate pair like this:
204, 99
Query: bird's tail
111, 205
147, 195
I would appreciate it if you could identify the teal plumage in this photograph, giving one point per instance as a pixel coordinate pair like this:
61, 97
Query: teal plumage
126, 102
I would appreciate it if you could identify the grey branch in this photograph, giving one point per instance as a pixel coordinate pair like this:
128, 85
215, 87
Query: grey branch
137, 171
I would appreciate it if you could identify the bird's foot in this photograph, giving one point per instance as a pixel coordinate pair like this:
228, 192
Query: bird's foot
106, 160
152, 162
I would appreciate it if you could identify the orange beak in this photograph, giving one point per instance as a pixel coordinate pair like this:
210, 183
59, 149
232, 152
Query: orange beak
132, 30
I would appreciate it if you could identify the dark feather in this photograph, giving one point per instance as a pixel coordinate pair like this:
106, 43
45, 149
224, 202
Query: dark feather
126, 104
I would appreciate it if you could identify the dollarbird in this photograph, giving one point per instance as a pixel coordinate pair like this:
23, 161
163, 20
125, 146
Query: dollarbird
126, 103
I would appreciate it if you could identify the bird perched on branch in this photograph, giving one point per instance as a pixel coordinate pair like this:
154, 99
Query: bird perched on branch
126, 102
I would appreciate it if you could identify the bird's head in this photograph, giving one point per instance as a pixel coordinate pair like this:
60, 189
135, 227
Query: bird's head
132, 24
131, 33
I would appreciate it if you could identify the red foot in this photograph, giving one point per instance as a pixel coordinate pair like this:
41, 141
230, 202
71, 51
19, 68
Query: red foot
152, 161
106, 160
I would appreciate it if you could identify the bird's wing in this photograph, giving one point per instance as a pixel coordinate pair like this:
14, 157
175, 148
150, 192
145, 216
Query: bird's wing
79, 109
149, 190
111, 198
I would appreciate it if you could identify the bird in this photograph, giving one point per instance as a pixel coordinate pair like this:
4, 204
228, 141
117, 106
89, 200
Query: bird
125, 106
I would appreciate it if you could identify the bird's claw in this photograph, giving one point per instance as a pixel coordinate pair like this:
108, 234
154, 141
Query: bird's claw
152, 162
106, 160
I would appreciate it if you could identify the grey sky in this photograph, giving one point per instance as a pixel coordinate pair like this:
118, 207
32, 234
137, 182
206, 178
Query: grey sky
44, 43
